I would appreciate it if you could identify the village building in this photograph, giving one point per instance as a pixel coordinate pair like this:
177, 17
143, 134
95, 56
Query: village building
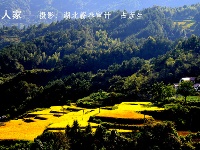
191, 79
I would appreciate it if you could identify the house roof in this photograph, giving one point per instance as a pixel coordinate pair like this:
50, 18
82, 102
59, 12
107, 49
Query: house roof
196, 85
188, 79
176, 84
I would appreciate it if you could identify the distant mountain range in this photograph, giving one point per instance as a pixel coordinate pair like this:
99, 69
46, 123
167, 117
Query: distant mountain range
105, 5
31, 8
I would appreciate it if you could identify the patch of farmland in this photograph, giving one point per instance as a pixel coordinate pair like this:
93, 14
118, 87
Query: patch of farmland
186, 24
49, 111
81, 116
138, 106
193, 98
183, 133
33, 124
56, 118
121, 130
122, 117
18, 129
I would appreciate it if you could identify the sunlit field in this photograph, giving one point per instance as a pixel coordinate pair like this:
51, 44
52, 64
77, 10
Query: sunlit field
18, 129
33, 124
126, 114
122, 117
29, 127
56, 118
138, 106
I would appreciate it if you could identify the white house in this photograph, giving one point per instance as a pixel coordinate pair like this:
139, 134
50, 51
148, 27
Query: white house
192, 79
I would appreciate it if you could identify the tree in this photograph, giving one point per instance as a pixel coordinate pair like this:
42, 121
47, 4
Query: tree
55, 92
157, 91
159, 136
185, 88
75, 136
88, 138
100, 137
133, 84
169, 91
51, 140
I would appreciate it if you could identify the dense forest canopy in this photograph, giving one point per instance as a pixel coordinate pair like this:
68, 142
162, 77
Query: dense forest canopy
106, 61
82, 56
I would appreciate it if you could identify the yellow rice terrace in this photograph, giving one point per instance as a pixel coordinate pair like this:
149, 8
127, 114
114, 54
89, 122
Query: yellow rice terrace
56, 118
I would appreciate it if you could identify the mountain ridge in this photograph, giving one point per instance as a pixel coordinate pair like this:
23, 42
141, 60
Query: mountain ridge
31, 8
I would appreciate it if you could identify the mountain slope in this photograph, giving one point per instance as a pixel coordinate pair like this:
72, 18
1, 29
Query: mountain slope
31, 8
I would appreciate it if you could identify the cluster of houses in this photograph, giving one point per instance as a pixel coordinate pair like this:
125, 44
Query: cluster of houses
191, 79
3, 118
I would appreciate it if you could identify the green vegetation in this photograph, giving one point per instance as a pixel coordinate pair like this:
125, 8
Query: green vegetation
186, 89
100, 99
15, 144
120, 72
193, 98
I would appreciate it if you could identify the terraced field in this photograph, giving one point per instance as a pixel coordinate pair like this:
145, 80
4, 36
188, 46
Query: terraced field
56, 118
138, 106
186, 24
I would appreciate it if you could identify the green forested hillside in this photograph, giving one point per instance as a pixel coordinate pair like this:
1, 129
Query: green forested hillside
98, 62
75, 58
